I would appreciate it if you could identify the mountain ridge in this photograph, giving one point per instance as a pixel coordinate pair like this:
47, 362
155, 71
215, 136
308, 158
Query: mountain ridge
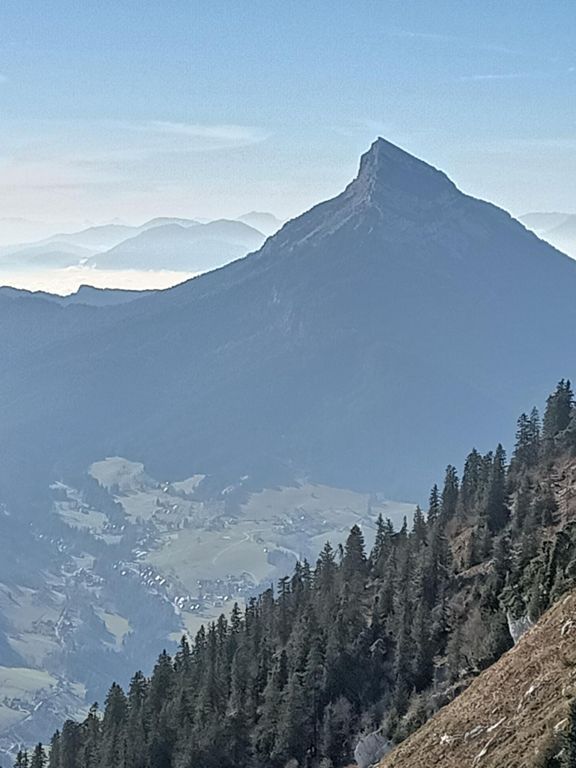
311, 352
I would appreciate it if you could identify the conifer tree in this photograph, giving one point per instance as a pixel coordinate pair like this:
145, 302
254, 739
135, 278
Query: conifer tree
449, 494
470, 486
497, 512
70, 744
559, 410
54, 759
434, 505
419, 529
38, 759
354, 562
21, 759
90, 738
113, 751
299, 676
136, 726
527, 447
337, 729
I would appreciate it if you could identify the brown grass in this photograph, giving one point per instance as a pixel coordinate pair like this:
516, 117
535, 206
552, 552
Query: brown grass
509, 713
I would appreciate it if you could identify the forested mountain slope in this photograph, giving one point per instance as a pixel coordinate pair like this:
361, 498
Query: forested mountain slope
359, 347
357, 653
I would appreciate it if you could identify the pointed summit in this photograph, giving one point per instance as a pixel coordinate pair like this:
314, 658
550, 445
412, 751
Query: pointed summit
402, 193
386, 169
379, 329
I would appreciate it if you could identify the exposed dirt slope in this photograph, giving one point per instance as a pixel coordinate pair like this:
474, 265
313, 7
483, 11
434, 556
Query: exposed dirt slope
508, 714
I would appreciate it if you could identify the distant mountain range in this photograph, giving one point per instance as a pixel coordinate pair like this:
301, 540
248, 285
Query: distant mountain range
161, 243
191, 247
264, 222
559, 229
344, 363
373, 332
19, 230
86, 294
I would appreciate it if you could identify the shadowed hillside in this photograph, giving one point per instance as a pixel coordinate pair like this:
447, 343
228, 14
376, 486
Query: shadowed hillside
358, 347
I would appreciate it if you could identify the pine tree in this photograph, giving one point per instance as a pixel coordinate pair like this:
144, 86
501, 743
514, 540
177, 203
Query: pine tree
90, 739
403, 609
337, 729
559, 410
354, 562
434, 505
239, 712
38, 759
379, 542
423, 645
527, 445
470, 486
497, 512
136, 727
54, 758
449, 494
294, 733
298, 677
455, 652
382, 546
21, 760
113, 750
522, 506
70, 744
419, 529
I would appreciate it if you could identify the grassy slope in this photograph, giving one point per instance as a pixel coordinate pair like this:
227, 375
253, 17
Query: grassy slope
510, 711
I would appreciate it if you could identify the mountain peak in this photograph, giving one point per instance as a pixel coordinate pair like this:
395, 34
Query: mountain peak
386, 169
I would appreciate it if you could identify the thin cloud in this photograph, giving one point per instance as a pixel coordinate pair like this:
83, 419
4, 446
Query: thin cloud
501, 76
62, 152
516, 75
223, 134
83, 165
3, 79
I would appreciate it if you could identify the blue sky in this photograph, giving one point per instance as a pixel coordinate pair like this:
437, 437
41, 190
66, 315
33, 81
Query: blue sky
134, 109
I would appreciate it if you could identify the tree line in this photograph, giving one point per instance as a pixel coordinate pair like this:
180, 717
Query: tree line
360, 641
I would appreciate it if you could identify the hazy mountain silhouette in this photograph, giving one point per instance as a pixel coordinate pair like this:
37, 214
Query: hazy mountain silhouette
162, 220
559, 229
264, 222
86, 294
159, 244
377, 330
193, 248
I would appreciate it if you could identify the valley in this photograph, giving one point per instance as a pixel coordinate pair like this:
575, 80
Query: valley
134, 563
287, 384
